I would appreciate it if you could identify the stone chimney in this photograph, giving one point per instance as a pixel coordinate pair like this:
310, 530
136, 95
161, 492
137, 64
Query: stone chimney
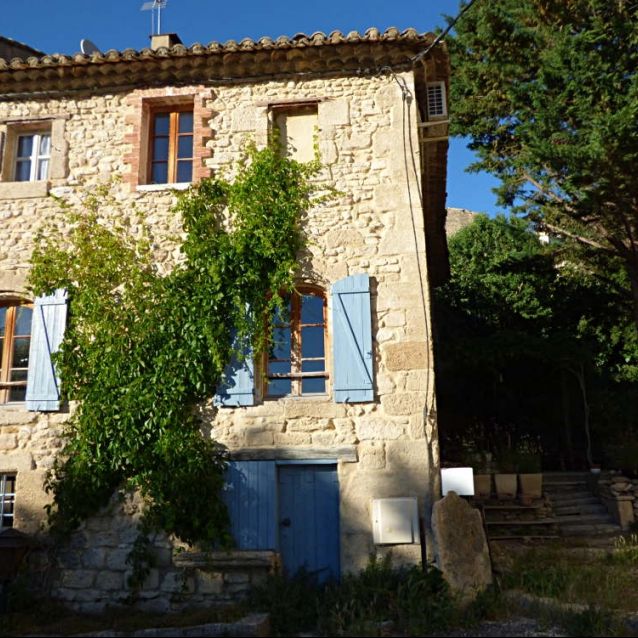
164, 40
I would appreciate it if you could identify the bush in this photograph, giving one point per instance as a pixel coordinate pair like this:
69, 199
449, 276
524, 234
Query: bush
414, 600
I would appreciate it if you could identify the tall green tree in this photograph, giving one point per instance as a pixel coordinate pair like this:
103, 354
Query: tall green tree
547, 90
530, 349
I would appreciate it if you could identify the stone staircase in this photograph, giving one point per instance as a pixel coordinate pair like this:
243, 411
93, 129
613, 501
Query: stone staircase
568, 510
577, 512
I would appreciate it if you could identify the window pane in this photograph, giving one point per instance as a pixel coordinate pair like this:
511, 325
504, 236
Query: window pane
20, 353
18, 393
279, 387
45, 145
3, 320
1, 350
185, 170
311, 309
18, 375
185, 146
25, 145
160, 149
313, 366
312, 342
162, 122
43, 169
282, 317
311, 386
280, 348
23, 170
23, 321
186, 122
279, 367
160, 173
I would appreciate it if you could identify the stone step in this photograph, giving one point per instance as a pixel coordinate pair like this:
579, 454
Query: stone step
513, 523
584, 519
586, 508
577, 501
590, 530
557, 477
564, 486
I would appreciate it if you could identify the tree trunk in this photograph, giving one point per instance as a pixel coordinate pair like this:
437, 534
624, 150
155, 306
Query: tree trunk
633, 278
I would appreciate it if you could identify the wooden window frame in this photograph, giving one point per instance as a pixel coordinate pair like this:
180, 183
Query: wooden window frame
173, 110
296, 375
6, 358
35, 158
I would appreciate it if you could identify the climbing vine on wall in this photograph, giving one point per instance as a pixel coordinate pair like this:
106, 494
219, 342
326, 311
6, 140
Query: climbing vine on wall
143, 352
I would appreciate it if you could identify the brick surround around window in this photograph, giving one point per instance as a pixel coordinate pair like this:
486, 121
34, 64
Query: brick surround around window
142, 104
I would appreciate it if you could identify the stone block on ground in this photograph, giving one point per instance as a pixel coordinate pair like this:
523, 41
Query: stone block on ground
460, 546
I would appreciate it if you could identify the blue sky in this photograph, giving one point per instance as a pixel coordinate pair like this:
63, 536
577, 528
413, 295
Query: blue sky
58, 27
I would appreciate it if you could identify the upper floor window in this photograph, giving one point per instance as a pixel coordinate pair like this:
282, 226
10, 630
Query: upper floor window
297, 356
15, 340
33, 153
7, 499
171, 145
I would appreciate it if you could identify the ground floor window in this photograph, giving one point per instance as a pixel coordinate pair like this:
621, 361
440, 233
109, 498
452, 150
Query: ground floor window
7, 499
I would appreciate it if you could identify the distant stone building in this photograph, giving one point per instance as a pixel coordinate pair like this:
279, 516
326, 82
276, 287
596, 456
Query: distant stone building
344, 419
457, 219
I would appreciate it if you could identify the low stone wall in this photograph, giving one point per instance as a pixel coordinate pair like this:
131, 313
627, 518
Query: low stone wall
90, 572
620, 496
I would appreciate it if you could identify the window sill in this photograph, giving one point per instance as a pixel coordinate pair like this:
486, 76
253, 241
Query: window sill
302, 397
23, 190
14, 406
151, 188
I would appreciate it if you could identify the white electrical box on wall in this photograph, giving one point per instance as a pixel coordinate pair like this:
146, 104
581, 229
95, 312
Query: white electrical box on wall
395, 521
457, 479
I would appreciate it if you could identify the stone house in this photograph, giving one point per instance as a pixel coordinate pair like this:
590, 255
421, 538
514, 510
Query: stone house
335, 453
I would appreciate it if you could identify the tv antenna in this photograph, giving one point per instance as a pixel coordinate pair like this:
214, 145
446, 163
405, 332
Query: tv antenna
155, 7
87, 47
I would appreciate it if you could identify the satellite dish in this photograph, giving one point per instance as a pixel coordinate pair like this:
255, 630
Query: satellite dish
87, 47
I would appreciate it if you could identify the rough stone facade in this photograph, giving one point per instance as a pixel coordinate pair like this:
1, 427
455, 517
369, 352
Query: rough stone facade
384, 448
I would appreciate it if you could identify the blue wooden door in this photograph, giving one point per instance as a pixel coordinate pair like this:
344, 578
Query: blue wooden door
309, 519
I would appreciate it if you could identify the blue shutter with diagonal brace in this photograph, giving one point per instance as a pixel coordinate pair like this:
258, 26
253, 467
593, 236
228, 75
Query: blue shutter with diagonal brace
250, 494
237, 385
47, 332
352, 340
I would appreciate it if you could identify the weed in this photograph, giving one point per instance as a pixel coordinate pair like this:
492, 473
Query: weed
291, 602
591, 622
626, 549
413, 600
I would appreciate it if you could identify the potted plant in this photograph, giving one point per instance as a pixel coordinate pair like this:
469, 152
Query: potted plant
530, 476
482, 476
505, 478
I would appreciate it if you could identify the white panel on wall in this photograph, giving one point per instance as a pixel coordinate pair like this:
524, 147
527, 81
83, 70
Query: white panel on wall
395, 521
457, 479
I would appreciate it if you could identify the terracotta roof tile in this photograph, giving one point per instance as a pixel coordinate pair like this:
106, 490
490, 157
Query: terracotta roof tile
299, 40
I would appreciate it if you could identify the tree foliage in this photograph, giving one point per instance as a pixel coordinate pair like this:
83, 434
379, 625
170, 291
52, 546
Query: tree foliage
143, 352
531, 348
547, 90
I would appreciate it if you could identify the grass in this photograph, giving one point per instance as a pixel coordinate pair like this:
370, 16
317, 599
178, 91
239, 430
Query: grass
49, 618
606, 580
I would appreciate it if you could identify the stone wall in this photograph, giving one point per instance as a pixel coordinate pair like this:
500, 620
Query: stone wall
375, 226
620, 496
91, 570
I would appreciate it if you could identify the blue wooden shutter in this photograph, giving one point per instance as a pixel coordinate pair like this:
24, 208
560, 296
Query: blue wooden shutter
352, 340
251, 497
47, 331
237, 385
